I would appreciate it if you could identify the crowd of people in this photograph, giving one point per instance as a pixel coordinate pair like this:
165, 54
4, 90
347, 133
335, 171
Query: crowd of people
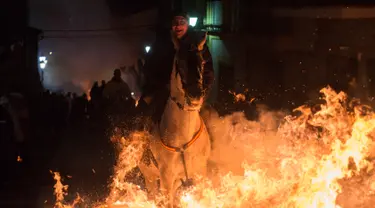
49, 115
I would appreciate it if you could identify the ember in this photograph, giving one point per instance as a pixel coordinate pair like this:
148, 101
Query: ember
238, 97
312, 160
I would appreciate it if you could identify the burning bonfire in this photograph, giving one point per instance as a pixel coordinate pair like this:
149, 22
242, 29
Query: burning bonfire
318, 158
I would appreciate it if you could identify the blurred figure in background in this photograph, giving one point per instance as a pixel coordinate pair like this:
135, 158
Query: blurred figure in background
102, 87
117, 95
96, 97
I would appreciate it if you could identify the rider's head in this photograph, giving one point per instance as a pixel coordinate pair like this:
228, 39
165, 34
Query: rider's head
180, 24
117, 73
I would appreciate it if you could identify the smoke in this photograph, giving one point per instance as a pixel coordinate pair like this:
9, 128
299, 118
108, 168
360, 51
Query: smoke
80, 58
233, 135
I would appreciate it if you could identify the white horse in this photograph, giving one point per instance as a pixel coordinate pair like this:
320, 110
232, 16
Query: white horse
180, 144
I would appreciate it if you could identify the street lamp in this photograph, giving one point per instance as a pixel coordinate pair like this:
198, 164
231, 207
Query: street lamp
42, 62
42, 58
42, 65
147, 48
193, 21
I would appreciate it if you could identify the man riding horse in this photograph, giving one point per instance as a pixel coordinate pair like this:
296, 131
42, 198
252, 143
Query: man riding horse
178, 74
159, 64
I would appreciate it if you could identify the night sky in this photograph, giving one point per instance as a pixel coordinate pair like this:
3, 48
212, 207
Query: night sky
126, 7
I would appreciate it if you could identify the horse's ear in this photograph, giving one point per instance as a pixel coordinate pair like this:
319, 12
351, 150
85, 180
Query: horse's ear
202, 42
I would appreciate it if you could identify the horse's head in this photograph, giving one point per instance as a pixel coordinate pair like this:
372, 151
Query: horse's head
187, 80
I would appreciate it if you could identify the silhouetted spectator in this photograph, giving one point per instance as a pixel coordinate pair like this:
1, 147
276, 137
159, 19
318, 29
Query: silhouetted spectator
95, 92
102, 86
96, 96
118, 95
69, 99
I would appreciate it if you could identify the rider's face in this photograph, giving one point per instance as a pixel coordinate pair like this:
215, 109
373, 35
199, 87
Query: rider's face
179, 26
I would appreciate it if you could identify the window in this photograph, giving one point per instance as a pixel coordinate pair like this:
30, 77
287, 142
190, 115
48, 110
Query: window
214, 15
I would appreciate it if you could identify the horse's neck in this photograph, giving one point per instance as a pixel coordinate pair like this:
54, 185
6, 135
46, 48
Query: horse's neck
176, 90
177, 126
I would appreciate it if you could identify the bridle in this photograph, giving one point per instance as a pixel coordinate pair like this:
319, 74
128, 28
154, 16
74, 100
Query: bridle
186, 145
181, 106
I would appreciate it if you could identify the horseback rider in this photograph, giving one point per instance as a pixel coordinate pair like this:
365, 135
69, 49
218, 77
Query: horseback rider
159, 64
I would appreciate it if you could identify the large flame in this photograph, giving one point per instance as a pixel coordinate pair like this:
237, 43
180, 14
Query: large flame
306, 160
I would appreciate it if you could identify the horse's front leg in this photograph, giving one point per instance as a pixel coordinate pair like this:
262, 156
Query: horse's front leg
151, 175
167, 179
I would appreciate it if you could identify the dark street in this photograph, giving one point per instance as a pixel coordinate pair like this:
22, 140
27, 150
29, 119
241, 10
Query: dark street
82, 154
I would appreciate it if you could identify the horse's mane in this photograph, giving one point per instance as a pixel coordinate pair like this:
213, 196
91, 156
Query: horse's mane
190, 67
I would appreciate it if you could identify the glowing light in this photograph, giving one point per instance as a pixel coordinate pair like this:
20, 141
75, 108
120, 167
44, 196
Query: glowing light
42, 65
147, 48
50, 53
193, 21
132, 93
43, 62
88, 97
42, 58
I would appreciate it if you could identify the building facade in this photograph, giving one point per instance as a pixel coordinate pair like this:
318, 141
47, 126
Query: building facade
18, 50
283, 53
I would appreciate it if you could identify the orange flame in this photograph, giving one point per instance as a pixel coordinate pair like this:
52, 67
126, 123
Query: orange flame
238, 97
312, 160
61, 191
19, 159
88, 97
